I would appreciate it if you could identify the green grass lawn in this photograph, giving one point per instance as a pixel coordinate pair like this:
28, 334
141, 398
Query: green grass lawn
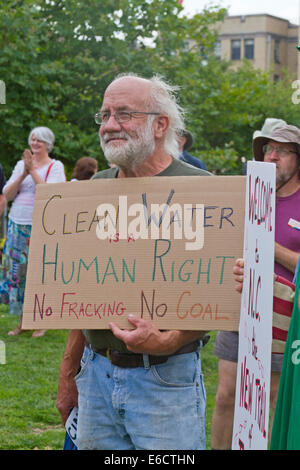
28, 385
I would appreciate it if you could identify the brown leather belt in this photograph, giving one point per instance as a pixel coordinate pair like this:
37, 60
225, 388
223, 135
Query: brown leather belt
132, 360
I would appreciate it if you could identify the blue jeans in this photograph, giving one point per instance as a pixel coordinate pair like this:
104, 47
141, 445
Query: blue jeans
153, 408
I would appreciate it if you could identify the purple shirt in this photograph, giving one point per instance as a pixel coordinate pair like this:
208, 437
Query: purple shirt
286, 234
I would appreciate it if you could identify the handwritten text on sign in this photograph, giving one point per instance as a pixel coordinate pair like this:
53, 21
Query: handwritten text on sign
255, 331
161, 248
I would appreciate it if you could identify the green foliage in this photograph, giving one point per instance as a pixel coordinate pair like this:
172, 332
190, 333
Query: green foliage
224, 108
58, 58
221, 161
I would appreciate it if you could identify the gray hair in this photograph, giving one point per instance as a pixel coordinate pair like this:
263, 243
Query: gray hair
43, 134
163, 99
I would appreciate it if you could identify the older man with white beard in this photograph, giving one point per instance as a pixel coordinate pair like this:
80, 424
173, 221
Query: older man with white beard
139, 388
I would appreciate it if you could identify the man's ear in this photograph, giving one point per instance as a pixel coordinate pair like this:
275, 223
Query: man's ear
160, 125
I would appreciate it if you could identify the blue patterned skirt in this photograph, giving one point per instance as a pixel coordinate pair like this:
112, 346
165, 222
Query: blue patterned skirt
14, 266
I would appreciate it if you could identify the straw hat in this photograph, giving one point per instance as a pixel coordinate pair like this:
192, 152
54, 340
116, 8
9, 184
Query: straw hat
269, 126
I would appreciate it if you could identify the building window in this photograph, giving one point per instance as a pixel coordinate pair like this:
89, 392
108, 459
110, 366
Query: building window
249, 49
236, 49
217, 49
277, 51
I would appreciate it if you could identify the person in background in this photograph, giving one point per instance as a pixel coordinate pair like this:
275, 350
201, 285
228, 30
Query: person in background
277, 143
84, 169
185, 142
269, 126
140, 388
35, 167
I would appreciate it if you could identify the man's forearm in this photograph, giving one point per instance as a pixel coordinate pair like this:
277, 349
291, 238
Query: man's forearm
73, 353
177, 339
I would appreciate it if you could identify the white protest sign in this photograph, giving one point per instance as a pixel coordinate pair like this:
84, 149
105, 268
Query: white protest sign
250, 431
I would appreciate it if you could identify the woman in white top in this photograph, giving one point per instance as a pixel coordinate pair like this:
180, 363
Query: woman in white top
36, 167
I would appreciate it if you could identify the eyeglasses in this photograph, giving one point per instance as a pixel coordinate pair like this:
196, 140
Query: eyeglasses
280, 151
120, 116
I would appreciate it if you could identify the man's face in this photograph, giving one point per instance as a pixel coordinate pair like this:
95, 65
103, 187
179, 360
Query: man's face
127, 144
287, 163
181, 141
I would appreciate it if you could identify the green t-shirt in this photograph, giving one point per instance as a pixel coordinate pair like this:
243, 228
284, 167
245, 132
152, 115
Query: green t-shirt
101, 339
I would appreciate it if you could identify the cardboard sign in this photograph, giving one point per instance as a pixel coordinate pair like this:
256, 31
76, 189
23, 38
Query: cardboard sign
250, 431
161, 248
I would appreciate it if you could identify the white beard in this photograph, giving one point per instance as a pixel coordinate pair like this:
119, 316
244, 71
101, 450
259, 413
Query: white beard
137, 148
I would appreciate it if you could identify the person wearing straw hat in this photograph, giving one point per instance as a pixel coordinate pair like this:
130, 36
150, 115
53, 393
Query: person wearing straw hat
268, 128
279, 143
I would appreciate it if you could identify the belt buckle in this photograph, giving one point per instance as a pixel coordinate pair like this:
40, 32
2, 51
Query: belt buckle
108, 354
